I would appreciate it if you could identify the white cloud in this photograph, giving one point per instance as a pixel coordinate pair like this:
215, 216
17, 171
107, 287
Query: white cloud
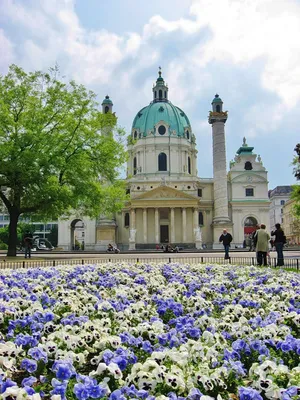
244, 30
6, 51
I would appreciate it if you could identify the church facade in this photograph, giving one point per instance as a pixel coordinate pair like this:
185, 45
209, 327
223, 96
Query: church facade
169, 203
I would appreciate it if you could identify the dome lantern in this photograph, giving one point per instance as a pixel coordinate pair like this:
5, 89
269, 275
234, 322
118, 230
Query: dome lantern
217, 104
160, 89
107, 105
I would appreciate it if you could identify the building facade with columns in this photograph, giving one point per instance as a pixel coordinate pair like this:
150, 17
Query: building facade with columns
169, 202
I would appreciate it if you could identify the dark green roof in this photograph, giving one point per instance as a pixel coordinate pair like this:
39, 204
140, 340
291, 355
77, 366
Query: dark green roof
217, 99
107, 100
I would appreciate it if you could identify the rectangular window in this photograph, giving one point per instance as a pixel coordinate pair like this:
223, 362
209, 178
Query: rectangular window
6, 217
199, 192
249, 192
1, 217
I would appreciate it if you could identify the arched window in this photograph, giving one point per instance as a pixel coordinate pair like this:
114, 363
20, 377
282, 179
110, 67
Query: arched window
162, 162
165, 94
200, 218
106, 109
248, 166
134, 166
187, 134
135, 134
189, 165
126, 220
155, 94
160, 94
218, 108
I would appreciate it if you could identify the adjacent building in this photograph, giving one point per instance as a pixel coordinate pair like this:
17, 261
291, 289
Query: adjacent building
290, 224
278, 197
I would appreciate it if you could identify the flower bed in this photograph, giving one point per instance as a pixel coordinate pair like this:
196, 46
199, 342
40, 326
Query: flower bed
149, 331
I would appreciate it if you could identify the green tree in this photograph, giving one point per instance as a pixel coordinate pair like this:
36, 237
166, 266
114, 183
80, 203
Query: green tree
58, 152
21, 229
296, 188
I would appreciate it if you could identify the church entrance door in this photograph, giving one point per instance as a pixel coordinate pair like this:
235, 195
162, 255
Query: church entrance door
249, 227
164, 233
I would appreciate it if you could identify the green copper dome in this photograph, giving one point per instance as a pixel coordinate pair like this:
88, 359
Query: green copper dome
217, 99
147, 119
107, 100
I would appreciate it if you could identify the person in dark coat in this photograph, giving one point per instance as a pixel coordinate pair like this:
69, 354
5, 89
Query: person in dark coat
28, 242
279, 241
226, 239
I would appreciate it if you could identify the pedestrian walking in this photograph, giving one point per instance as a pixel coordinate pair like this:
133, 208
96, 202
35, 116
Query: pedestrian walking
262, 245
279, 242
28, 242
226, 239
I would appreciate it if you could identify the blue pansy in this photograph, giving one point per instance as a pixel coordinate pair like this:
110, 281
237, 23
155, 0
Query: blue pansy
249, 394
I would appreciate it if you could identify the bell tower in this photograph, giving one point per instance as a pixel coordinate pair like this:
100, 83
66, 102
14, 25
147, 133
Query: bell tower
160, 89
217, 118
107, 105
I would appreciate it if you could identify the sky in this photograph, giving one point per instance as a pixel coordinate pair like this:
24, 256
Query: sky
247, 51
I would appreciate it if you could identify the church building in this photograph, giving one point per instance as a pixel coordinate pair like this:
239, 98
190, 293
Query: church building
168, 202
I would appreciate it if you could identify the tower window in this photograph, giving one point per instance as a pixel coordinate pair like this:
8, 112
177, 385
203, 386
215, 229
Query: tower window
165, 94
134, 166
155, 94
218, 108
162, 130
249, 192
200, 218
160, 94
189, 165
248, 166
187, 134
162, 162
135, 134
126, 220
106, 109
199, 192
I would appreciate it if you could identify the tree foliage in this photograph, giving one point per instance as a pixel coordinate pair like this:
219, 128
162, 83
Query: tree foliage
58, 152
296, 188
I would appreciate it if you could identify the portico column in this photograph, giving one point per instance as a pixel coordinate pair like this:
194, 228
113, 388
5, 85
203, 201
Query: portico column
156, 222
132, 230
184, 225
172, 225
145, 224
195, 218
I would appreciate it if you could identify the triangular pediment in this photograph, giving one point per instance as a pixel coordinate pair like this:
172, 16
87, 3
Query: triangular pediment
248, 179
165, 192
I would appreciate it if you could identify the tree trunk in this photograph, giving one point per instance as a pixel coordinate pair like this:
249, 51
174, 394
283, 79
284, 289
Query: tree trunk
12, 232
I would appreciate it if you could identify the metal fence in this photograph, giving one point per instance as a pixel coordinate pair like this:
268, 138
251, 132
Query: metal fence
290, 262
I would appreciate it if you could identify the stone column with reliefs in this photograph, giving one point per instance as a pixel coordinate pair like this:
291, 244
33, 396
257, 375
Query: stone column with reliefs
217, 119
172, 225
132, 230
184, 225
145, 224
156, 222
